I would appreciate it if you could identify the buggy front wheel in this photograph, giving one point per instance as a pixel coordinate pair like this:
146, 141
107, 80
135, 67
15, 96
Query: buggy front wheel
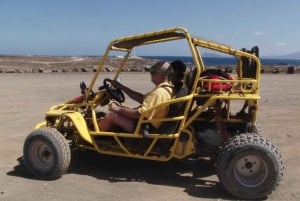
47, 154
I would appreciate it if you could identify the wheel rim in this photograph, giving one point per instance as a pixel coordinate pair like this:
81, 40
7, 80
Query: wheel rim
251, 171
41, 155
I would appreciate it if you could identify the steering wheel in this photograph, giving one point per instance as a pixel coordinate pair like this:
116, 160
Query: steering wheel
114, 93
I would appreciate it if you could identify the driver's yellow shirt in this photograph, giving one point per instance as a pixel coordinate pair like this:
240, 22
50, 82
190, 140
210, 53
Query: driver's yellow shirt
159, 94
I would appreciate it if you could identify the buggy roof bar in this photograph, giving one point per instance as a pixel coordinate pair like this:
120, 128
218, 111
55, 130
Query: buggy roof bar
176, 33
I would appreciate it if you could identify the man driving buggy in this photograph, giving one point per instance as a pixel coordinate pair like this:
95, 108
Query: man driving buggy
126, 118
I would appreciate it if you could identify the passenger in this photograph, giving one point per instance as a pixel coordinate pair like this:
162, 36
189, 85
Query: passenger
125, 117
179, 68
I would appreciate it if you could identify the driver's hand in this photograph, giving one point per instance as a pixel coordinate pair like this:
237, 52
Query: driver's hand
114, 107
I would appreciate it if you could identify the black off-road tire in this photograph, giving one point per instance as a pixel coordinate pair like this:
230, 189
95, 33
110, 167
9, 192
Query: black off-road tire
249, 166
46, 153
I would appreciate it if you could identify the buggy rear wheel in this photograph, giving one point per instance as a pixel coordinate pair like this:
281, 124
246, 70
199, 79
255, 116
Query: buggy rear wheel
47, 154
249, 166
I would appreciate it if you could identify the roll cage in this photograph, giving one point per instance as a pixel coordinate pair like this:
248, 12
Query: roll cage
127, 44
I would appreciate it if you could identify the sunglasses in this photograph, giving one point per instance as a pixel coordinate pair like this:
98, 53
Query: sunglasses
154, 70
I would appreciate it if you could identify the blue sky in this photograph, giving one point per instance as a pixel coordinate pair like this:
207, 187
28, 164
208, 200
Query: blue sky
85, 27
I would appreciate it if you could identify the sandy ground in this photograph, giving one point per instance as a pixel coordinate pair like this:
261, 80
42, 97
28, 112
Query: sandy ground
26, 97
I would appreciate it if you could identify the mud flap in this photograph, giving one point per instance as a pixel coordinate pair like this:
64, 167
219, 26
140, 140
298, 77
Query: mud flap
80, 125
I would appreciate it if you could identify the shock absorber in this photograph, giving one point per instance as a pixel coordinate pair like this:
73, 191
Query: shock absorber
219, 121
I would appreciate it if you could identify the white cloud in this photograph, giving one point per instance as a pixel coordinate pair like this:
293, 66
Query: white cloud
259, 33
281, 44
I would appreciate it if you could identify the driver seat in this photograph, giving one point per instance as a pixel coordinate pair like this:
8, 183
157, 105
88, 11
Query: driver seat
175, 109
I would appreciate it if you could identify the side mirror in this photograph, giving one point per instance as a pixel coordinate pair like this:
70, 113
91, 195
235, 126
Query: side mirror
83, 87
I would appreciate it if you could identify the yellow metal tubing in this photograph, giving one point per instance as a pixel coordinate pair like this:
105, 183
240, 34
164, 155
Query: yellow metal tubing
80, 125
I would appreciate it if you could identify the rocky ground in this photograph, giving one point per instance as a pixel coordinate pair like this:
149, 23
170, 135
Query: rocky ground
56, 64
64, 64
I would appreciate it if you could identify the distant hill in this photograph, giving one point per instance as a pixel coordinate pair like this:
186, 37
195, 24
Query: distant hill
294, 55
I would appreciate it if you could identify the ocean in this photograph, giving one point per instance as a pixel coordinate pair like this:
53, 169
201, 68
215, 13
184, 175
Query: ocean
223, 61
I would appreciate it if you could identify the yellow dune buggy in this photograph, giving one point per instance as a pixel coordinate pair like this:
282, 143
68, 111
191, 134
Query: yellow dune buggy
217, 119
